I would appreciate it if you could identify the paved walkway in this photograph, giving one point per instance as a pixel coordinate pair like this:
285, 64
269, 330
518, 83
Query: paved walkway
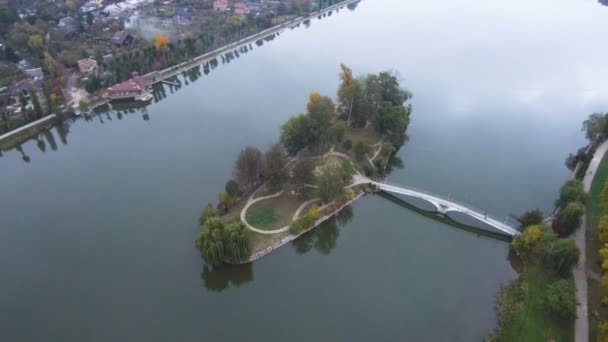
581, 326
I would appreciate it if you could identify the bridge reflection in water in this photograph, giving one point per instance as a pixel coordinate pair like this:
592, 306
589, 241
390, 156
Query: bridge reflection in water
446, 219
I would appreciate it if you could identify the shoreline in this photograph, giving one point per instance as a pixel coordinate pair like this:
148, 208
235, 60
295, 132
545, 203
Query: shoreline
21, 134
37, 127
257, 255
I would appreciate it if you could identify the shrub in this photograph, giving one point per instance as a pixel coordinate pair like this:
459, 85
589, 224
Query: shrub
532, 217
563, 257
232, 188
226, 199
560, 300
349, 194
300, 224
570, 216
360, 148
207, 213
369, 170
314, 212
534, 240
347, 144
571, 191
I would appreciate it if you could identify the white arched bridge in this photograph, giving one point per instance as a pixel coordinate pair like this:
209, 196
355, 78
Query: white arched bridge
442, 205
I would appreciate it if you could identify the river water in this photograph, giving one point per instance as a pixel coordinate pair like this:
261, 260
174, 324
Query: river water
97, 234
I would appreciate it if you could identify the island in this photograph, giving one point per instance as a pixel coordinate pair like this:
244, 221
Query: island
322, 163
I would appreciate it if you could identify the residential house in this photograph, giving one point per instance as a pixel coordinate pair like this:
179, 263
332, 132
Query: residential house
87, 66
36, 74
182, 16
23, 65
89, 7
122, 38
254, 7
22, 87
107, 59
220, 5
68, 25
240, 8
135, 88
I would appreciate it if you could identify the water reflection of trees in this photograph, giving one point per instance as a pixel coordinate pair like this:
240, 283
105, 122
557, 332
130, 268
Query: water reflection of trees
220, 279
324, 238
45, 140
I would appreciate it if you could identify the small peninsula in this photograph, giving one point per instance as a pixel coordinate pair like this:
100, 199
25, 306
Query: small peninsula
322, 163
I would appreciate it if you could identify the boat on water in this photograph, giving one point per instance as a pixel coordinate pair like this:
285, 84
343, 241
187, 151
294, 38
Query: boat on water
146, 97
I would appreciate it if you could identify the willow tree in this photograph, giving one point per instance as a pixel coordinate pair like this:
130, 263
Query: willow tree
237, 246
218, 241
210, 241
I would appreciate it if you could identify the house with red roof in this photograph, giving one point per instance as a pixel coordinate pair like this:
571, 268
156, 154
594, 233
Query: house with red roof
240, 8
220, 5
87, 66
133, 89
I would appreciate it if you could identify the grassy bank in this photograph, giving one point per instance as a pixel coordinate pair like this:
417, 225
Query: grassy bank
523, 316
597, 312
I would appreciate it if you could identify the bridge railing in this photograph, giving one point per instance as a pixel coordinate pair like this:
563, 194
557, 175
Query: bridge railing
451, 200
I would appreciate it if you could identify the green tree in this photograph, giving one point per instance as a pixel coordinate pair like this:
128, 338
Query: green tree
392, 118
596, 127
237, 245
322, 111
361, 149
218, 241
337, 131
563, 256
49, 64
298, 133
330, 183
36, 103
560, 300
571, 191
22, 101
570, 216
35, 43
302, 174
83, 105
248, 166
534, 241
226, 199
232, 188
210, 241
208, 212
531, 217
275, 161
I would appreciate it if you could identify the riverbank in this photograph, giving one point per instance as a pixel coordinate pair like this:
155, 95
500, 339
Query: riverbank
175, 70
24, 133
522, 311
285, 240
596, 311
19, 135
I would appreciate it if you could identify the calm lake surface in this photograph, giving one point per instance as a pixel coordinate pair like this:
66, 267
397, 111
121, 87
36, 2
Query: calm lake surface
97, 234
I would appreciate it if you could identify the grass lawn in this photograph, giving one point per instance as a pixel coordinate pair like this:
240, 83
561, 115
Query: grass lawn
261, 217
594, 204
367, 135
523, 315
594, 211
274, 213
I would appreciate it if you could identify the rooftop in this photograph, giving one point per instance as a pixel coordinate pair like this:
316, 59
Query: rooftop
24, 85
135, 84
